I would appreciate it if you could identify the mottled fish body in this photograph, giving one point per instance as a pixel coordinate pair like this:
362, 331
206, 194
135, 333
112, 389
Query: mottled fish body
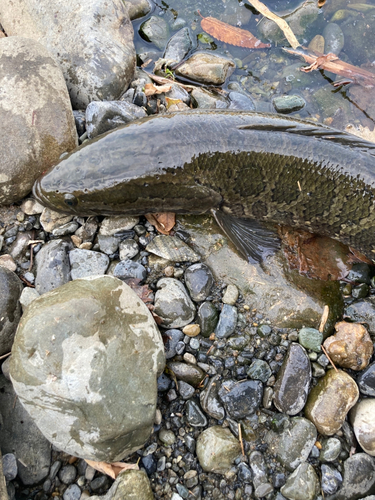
242, 164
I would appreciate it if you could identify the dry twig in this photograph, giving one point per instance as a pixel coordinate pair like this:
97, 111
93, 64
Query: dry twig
329, 359
324, 318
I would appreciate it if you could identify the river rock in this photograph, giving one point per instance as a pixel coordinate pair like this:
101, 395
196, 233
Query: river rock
102, 116
205, 99
10, 309
303, 484
293, 445
178, 46
172, 248
210, 401
191, 374
366, 381
19, 435
227, 322
51, 220
208, 316
207, 68
173, 304
288, 103
130, 484
53, 266
171, 339
331, 479
93, 44
35, 114
27, 296
362, 311
362, 418
156, 31
330, 400
138, 8
199, 281
241, 399
194, 415
310, 338
331, 449
85, 263
117, 225
350, 347
240, 101
130, 270
293, 381
85, 351
217, 448
333, 39
358, 478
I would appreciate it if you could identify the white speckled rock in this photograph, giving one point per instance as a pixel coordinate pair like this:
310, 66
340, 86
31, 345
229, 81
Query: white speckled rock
85, 363
36, 119
362, 417
92, 40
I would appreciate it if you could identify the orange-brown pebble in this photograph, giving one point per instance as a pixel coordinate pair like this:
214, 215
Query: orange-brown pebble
191, 330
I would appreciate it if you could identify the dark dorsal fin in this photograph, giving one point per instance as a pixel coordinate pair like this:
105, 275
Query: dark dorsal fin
254, 241
311, 130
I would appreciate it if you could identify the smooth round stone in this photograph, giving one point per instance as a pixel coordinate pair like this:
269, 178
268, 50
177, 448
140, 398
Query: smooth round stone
72, 492
206, 68
293, 381
128, 269
130, 484
362, 418
156, 31
68, 474
331, 479
128, 249
264, 330
217, 449
185, 390
178, 45
244, 473
330, 400
167, 437
210, 401
194, 415
191, 330
65, 229
171, 339
208, 316
10, 310
173, 304
331, 449
231, 295
10, 468
85, 263
87, 343
310, 338
108, 244
333, 38
227, 322
303, 484
358, 477
241, 399
350, 347
259, 370
366, 381
199, 281
288, 103
191, 374
294, 444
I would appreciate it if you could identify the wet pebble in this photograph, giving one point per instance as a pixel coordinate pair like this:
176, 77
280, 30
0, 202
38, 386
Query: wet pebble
199, 281
191, 374
10, 468
230, 295
209, 399
259, 370
358, 477
73, 492
207, 68
331, 449
128, 269
241, 399
85, 263
167, 437
227, 322
128, 249
173, 304
310, 338
185, 390
288, 103
303, 484
333, 38
331, 479
156, 31
108, 244
178, 45
241, 102
53, 266
217, 449
171, 339
362, 417
194, 415
208, 317
366, 381
67, 474
293, 381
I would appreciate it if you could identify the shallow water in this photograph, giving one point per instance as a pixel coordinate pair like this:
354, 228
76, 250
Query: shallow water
267, 73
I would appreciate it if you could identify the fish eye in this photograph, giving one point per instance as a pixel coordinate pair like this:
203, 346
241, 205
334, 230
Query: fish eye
70, 200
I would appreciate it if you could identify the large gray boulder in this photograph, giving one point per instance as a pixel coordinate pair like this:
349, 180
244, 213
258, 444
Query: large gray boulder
36, 119
92, 40
85, 363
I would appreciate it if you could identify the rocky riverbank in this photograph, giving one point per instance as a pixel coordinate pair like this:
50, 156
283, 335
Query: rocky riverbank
166, 351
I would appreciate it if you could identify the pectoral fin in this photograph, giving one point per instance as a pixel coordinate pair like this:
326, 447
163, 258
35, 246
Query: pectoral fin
254, 241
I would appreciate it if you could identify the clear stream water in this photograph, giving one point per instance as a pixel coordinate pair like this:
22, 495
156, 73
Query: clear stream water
267, 73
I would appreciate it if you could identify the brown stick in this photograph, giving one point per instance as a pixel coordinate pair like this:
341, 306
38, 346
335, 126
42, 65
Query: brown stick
329, 359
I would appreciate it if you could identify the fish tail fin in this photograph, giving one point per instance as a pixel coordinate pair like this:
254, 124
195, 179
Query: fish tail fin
254, 241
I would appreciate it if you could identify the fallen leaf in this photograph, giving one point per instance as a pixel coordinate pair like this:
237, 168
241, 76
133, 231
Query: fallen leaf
151, 89
163, 222
321, 3
143, 291
111, 469
170, 102
330, 62
230, 34
281, 23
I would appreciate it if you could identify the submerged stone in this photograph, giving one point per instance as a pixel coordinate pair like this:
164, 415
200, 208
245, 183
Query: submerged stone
85, 363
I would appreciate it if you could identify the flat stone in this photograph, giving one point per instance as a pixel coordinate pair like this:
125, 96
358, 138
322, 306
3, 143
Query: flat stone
217, 449
194, 415
156, 31
53, 266
209, 399
35, 115
207, 68
108, 244
293, 381
241, 399
293, 445
87, 344
93, 45
128, 249
172, 248
51, 220
129, 270
303, 484
358, 478
362, 418
173, 304
117, 224
10, 310
288, 103
85, 263
350, 347
330, 401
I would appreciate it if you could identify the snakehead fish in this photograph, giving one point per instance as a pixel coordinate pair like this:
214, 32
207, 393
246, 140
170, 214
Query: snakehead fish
243, 166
